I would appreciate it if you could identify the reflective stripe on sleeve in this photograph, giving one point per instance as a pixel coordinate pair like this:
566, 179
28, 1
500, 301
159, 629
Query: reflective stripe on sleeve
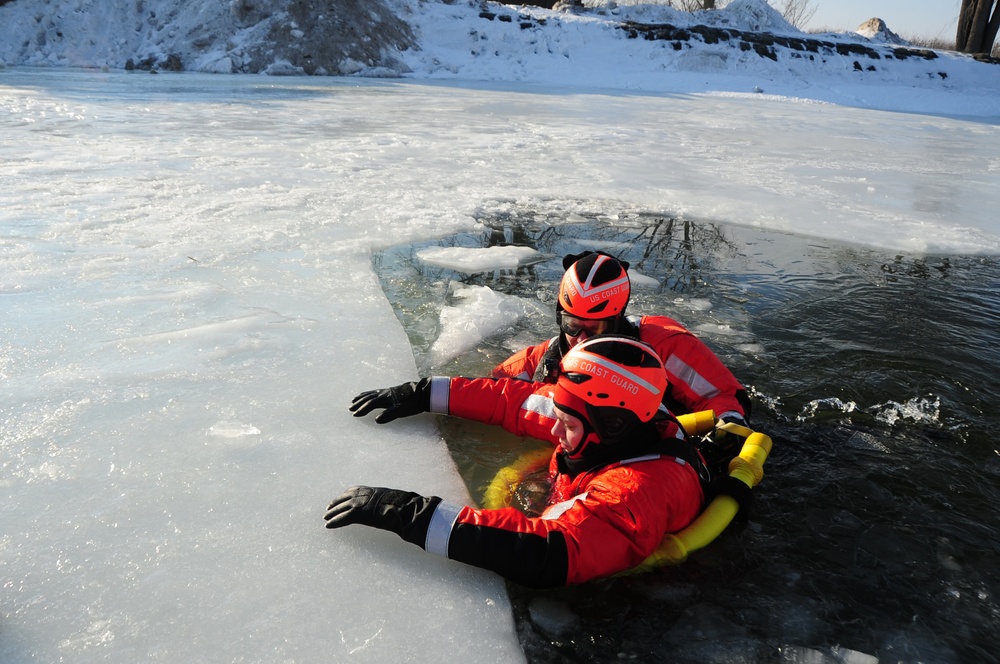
440, 393
439, 530
543, 405
691, 378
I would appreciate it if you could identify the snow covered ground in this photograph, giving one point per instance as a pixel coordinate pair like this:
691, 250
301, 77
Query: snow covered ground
746, 47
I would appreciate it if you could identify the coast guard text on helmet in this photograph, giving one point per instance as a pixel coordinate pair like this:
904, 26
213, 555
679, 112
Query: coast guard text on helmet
579, 364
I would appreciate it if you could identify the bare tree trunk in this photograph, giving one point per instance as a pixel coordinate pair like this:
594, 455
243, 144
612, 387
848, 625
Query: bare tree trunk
965, 12
992, 28
977, 29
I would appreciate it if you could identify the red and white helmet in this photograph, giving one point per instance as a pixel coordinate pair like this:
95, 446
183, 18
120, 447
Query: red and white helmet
611, 383
595, 285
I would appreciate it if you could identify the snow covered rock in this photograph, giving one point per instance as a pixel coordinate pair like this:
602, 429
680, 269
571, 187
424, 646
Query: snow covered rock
236, 36
876, 30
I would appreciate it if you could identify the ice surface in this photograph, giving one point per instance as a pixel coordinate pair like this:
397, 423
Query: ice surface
473, 261
640, 280
189, 306
479, 313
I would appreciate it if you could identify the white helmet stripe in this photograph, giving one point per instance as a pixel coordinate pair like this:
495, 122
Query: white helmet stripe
590, 292
593, 270
618, 369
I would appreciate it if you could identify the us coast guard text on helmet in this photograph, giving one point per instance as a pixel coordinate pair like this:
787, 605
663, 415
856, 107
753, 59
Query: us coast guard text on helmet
597, 294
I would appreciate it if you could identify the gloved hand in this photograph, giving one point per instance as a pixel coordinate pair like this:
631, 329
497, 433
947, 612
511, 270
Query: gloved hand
405, 513
720, 446
399, 401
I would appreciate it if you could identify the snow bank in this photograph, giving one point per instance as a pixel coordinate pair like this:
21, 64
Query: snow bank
628, 45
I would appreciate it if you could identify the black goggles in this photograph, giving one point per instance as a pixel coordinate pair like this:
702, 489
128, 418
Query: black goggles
573, 326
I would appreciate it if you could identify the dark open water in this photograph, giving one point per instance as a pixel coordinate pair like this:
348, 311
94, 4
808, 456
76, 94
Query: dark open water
875, 534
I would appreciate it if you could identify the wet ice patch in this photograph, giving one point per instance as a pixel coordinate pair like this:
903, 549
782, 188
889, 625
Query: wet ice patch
475, 261
865, 441
640, 280
716, 329
834, 655
694, 304
552, 616
751, 349
479, 312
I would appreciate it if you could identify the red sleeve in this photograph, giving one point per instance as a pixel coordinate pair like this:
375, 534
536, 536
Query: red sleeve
520, 407
612, 526
522, 364
698, 380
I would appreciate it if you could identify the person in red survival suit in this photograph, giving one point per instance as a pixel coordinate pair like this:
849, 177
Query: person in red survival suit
593, 295
623, 473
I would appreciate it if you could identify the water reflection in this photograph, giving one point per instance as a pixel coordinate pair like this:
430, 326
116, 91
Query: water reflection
873, 530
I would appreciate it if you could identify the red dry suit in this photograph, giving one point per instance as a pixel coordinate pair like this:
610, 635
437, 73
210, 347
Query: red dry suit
601, 520
697, 379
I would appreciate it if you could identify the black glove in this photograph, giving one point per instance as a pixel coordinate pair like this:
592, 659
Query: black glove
720, 446
400, 401
405, 513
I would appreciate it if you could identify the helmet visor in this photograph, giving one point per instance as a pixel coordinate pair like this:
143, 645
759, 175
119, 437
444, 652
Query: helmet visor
573, 326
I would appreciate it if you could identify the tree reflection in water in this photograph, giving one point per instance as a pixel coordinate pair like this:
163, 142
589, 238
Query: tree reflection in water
671, 260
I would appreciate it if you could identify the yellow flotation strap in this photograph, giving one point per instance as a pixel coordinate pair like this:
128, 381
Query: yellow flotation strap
697, 424
748, 468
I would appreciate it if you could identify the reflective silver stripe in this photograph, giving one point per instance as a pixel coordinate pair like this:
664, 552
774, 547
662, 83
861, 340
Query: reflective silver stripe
651, 457
647, 457
440, 393
439, 530
536, 403
691, 378
553, 512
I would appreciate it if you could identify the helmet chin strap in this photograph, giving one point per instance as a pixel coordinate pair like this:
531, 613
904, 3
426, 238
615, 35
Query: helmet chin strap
588, 439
